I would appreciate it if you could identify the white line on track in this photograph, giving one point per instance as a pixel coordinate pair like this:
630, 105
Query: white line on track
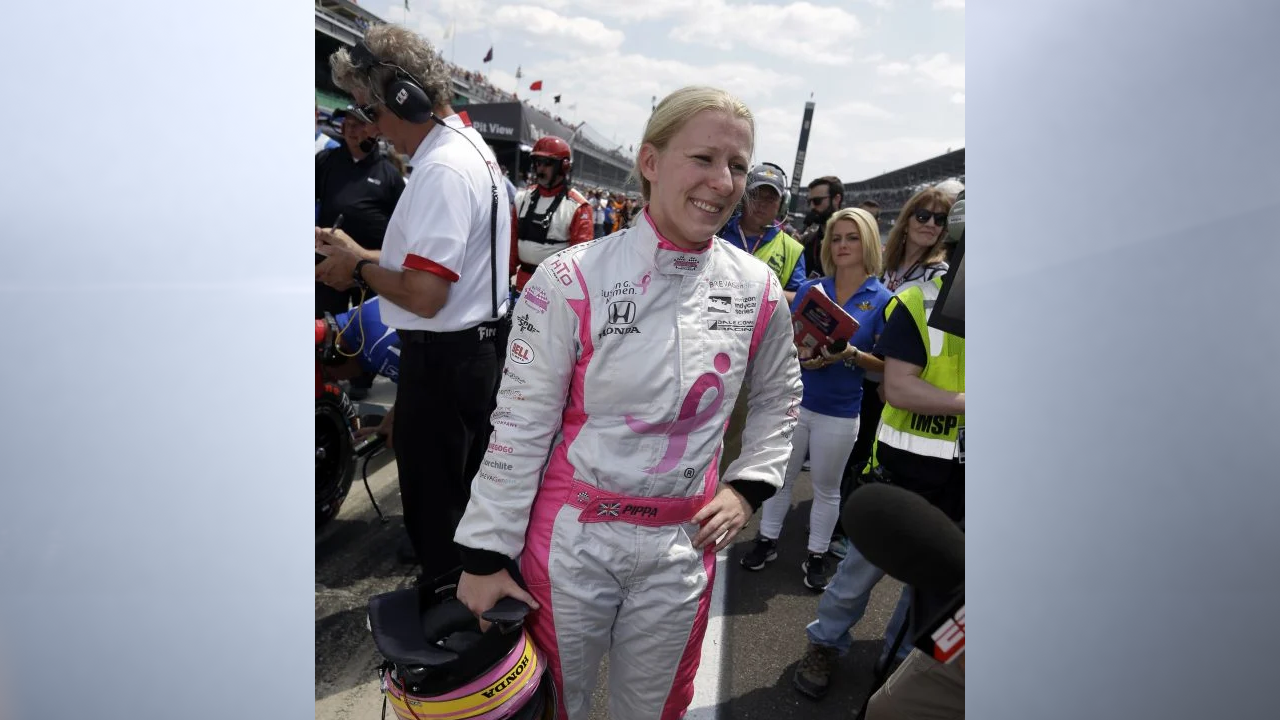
706, 685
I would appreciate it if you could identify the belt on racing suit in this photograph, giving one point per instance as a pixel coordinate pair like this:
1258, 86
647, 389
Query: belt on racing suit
600, 506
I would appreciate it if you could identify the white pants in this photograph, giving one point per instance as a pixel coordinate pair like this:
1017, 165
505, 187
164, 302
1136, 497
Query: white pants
828, 441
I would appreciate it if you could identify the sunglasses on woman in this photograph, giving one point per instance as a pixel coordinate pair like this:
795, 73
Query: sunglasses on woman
922, 216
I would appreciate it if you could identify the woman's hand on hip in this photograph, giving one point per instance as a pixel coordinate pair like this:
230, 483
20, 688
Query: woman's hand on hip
722, 518
481, 592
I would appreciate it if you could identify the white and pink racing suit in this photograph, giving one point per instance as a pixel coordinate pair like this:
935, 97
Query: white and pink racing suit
626, 356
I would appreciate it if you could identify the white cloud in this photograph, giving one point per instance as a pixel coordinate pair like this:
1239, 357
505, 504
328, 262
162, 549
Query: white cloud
893, 69
858, 109
938, 71
647, 10
948, 4
544, 25
942, 71
813, 34
958, 98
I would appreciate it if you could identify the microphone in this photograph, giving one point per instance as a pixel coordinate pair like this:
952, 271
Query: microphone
904, 535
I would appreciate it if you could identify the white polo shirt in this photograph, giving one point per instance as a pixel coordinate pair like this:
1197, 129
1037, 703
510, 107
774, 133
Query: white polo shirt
441, 226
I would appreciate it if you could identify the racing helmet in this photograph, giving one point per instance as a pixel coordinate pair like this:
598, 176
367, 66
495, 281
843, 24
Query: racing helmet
550, 146
439, 664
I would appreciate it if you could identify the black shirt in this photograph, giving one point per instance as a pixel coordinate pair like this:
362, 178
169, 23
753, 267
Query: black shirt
939, 481
901, 339
812, 242
365, 193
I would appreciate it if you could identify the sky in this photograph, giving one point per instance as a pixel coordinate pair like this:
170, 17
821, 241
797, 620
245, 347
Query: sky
887, 76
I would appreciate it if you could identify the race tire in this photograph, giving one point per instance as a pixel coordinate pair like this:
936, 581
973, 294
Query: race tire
335, 451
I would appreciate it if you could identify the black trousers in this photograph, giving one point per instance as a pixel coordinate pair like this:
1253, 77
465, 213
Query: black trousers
444, 400
868, 424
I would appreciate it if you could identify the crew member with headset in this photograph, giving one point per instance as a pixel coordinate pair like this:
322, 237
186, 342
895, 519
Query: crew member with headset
440, 275
755, 228
550, 215
361, 184
920, 447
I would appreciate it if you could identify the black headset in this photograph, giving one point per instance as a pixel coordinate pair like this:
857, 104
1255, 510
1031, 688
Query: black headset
404, 96
408, 100
786, 192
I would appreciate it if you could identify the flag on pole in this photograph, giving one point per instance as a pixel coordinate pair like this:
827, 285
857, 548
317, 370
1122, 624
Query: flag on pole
518, 73
448, 32
489, 55
537, 85
557, 98
573, 106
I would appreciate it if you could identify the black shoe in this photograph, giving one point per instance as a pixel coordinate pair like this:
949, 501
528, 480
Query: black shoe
765, 551
357, 393
813, 674
815, 572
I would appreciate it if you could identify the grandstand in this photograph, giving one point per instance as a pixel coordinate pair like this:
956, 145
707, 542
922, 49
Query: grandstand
509, 124
892, 189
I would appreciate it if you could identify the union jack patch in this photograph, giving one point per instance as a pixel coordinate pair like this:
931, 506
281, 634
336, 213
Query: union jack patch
610, 509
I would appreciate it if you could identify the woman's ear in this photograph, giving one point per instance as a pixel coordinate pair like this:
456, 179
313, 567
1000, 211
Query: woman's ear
648, 161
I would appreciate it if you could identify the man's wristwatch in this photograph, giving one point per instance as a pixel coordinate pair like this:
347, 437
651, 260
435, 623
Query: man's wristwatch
358, 277
850, 363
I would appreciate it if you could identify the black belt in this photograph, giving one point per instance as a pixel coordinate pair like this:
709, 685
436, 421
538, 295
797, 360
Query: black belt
483, 332
526, 267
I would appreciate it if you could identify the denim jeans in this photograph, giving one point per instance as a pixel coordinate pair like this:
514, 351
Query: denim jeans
844, 602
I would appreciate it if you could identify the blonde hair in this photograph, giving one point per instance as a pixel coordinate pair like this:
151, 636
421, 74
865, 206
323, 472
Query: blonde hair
679, 108
895, 250
868, 234
398, 46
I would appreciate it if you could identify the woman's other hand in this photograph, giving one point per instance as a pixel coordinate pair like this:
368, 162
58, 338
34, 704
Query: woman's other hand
722, 518
481, 592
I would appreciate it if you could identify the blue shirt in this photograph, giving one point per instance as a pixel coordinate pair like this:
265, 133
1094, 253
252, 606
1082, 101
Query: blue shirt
836, 390
381, 351
732, 232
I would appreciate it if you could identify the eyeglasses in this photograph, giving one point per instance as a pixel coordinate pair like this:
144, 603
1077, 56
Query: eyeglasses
818, 200
922, 216
367, 114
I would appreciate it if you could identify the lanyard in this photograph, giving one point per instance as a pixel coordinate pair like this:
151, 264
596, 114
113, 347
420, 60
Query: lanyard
744, 241
896, 282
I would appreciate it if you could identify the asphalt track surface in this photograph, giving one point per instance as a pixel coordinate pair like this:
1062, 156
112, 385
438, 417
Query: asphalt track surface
758, 635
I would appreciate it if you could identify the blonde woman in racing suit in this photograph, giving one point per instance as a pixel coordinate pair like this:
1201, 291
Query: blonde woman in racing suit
601, 477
